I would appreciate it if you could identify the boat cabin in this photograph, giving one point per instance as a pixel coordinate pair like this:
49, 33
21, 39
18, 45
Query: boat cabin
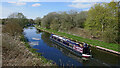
81, 47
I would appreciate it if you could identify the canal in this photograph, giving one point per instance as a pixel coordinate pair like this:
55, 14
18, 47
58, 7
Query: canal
41, 40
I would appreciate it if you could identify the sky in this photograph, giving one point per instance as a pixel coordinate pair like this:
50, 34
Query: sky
38, 8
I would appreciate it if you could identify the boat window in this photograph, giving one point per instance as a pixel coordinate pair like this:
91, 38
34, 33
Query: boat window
70, 44
67, 43
52, 36
64, 42
59, 40
77, 44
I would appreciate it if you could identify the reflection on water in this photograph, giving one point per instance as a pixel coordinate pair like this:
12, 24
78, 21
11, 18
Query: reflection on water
33, 43
64, 57
35, 38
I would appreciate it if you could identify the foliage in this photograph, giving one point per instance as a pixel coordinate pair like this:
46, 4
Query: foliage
80, 19
18, 18
30, 21
38, 21
46, 21
55, 25
102, 21
14, 24
64, 20
12, 28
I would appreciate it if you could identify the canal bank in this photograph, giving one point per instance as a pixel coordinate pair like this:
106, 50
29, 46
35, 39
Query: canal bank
109, 47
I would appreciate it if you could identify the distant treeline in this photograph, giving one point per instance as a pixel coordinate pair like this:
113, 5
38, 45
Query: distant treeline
101, 20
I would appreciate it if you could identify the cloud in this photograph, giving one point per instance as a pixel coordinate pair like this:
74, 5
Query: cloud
84, 4
92, 0
29, 0
81, 5
18, 3
12, 2
36, 5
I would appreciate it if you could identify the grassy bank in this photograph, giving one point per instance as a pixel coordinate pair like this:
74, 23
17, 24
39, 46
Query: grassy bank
111, 46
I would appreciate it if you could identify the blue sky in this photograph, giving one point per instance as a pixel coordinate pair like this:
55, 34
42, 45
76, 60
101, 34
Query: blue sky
39, 9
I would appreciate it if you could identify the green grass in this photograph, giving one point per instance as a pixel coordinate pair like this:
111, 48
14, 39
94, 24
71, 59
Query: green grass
111, 46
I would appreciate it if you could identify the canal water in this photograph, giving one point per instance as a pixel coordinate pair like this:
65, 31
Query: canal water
41, 40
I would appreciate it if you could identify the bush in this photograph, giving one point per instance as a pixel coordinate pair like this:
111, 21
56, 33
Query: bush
12, 28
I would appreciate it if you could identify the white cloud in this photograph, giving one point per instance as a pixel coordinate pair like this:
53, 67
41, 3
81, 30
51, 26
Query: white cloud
92, 0
81, 5
36, 5
12, 2
18, 3
29, 0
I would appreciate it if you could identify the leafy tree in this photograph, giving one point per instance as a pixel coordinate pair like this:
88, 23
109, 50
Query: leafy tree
14, 24
112, 29
19, 18
46, 21
17, 15
55, 24
80, 19
103, 20
66, 21
30, 21
38, 21
119, 23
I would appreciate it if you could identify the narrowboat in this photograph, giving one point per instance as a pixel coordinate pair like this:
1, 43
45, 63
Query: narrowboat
81, 49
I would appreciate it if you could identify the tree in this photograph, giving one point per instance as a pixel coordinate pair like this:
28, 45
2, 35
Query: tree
46, 21
19, 18
17, 15
30, 21
67, 21
80, 19
38, 21
102, 20
14, 24
112, 29
55, 24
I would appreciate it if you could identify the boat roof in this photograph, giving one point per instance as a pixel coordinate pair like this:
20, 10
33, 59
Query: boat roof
72, 42
55, 35
60, 37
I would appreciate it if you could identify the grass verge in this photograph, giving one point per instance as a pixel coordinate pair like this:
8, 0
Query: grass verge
111, 46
